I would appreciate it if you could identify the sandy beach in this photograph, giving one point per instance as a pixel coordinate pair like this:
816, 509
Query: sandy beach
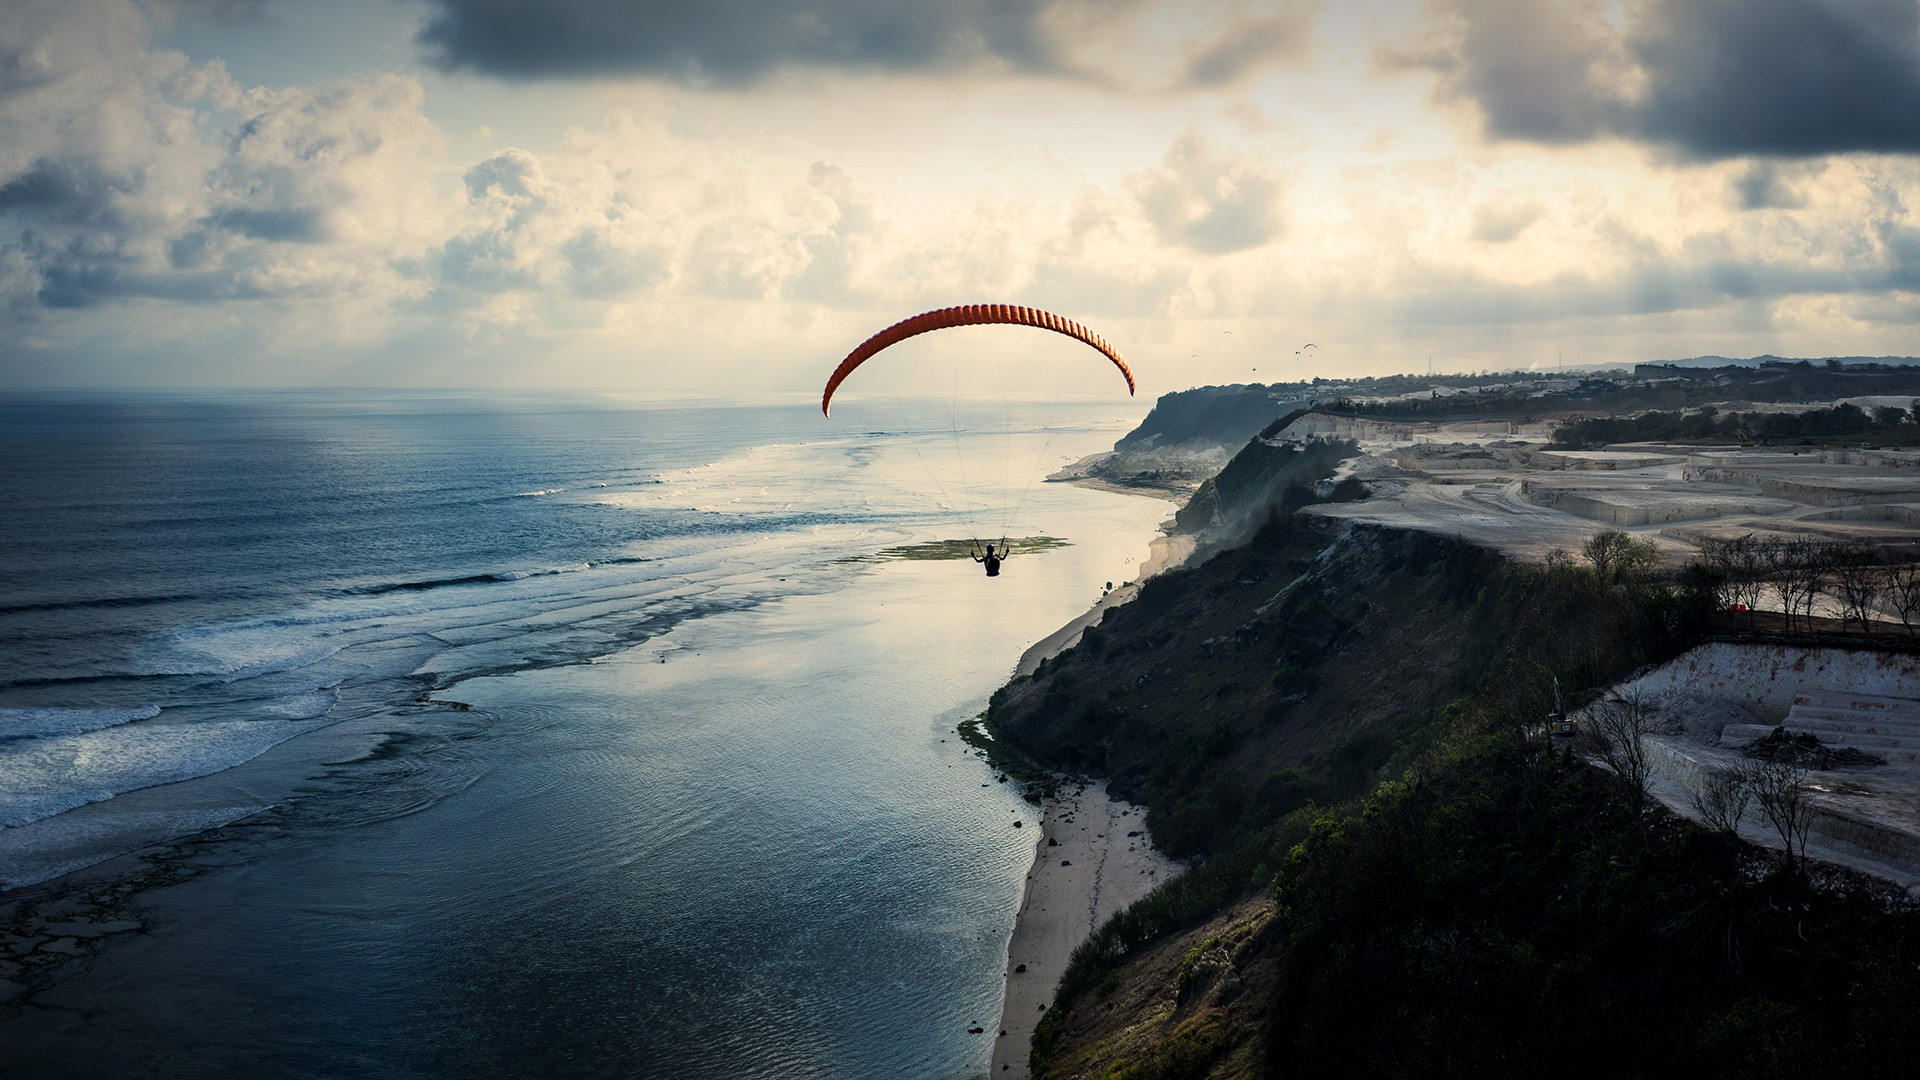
1092, 856
1091, 859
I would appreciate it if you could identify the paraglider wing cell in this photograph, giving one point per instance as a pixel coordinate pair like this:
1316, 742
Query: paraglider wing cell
968, 315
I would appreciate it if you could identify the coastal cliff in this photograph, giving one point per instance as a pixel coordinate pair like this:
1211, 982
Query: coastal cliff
1396, 871
1188, 436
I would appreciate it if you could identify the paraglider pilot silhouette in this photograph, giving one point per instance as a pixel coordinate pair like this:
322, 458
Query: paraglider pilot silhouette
991, 560
971, 315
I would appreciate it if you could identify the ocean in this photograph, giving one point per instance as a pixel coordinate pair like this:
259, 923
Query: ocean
530, 735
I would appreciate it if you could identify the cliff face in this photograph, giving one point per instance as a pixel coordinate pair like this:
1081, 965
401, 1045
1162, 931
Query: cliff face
1404, 875
1189, 435
1288, 670
1263, 479
1224, 416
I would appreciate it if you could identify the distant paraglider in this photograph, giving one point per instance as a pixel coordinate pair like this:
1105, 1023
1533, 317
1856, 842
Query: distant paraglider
968, 315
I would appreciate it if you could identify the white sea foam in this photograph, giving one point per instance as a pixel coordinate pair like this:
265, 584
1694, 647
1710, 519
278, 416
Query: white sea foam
53, 720
43, 777
302, 706
522, 575
783, 517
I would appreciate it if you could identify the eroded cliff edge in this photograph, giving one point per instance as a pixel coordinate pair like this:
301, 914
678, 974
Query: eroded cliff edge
1398, 871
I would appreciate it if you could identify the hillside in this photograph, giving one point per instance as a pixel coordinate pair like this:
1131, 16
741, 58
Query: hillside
1228, 694
1399, 873
1210, 416
1188, 436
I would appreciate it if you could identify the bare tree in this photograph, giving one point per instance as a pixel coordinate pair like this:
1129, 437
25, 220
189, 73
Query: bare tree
1621, 726
1746, 572
1734, 566
1903, 593
1780, 561
1779, 787
1712, 561
1796, 571
1858, 580
1721, 798
1819, 567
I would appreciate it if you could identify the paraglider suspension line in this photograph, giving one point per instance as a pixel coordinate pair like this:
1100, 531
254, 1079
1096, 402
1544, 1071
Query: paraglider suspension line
950, 399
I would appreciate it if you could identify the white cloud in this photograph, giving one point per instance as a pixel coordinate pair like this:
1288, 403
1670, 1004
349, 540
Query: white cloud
1209, 200
154, 212
133, 178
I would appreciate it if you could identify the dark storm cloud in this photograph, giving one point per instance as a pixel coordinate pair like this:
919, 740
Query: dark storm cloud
206, 9
301, 225
732, 42
90, 286
21, 69
1661, 288
1792, 78
1534, 69
1710, 78
65, 192
1764, 186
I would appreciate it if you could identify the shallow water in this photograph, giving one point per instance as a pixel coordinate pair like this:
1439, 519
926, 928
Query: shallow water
707, 815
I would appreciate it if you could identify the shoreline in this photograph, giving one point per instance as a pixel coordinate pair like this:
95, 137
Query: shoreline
1080, 473
1165, 552
1091, 859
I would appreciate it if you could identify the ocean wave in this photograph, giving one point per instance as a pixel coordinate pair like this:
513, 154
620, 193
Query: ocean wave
57, 720
309, 706
100, 602
385, 588
537, 494
52, 775
234, 653
522, 575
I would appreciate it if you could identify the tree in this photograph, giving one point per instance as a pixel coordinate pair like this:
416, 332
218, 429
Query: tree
1903, 593
1617, 556
1796, 570
1858, 581
1736, 566
1621, 726
1721, 798
1779, 787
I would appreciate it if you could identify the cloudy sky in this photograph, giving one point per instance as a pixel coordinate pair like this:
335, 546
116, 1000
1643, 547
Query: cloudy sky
717, 193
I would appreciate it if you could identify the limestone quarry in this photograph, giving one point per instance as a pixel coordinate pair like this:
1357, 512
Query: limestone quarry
1495, 484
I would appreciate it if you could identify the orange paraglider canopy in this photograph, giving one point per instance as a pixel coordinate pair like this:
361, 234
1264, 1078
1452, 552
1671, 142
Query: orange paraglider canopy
968, 315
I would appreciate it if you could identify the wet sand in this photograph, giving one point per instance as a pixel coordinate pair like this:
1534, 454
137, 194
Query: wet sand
1091, 859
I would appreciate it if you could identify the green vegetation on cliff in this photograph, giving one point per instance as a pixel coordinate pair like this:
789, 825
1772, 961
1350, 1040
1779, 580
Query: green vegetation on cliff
1404, 876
